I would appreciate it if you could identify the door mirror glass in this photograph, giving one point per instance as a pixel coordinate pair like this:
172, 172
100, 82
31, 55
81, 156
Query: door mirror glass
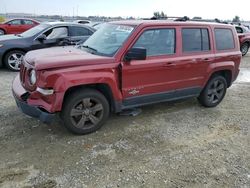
137, 53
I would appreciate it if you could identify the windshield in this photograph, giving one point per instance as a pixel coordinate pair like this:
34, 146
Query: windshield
108, 39
35, 30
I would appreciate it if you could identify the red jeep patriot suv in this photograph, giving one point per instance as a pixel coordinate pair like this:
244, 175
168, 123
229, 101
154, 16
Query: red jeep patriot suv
128, 64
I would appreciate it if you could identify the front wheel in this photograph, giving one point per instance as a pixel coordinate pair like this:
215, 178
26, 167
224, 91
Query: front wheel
13, 59
244, 48
214, 92
85, 111
2, 32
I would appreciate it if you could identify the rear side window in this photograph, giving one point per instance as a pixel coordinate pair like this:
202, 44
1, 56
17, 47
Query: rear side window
157, 41
79, 31
195, 40
224, 39
28, 22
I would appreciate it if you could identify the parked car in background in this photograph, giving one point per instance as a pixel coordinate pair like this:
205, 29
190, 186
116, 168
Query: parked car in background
244, 37
82, 21
128, 64
13, 47
17, 26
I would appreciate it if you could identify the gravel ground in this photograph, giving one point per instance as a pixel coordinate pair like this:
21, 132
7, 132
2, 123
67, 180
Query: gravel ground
168, 145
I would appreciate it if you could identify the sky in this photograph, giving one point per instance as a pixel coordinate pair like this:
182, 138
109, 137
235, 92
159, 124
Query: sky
210, 9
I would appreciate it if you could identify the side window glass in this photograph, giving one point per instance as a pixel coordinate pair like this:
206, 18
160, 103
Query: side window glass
205, 40
239, 30
195, 40
15, 22
224, 39
27, 22
157, 41
58, 32
79, 31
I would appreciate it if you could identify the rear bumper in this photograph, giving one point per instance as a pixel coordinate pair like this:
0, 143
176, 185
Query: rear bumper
19, 94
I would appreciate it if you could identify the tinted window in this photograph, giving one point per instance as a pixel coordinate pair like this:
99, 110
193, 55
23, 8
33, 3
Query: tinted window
15, 22
224, 39
157, 41
239, 29
28, 22
205, 40
79, 31
195, 40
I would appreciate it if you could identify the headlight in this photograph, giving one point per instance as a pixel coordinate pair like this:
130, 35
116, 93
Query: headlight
1, 45
32, 77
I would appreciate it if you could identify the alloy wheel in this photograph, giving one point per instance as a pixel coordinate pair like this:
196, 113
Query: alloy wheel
216, 91
86, 113
244, 49
15, 60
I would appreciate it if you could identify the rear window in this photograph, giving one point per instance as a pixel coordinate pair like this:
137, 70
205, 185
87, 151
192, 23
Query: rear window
224, 39
195, 40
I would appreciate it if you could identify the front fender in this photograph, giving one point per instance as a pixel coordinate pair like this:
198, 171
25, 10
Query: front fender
61, 82
109, 78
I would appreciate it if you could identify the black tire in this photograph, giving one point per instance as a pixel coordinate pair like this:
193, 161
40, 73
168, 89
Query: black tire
79, 115
214, 91
2, 32
244, 48
13, 59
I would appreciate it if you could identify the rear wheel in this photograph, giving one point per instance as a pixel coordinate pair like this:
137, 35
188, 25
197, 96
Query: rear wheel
244, 48
85, 111
214, 92
13, 59
2, 32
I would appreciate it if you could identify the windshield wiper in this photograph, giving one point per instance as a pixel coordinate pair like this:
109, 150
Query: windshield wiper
88, 47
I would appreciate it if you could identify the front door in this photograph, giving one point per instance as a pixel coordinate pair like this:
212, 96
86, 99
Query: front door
154, 77
54, 37
14, 27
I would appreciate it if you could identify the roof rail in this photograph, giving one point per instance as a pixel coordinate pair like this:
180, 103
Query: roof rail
182, 19
185, 18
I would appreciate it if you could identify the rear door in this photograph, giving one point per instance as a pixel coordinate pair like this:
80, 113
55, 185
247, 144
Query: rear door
196, 53
27, 24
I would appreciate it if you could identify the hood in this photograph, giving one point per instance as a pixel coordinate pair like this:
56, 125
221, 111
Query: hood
59, 57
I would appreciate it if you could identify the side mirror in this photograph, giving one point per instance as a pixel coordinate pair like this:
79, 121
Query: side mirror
41, 38
137, 53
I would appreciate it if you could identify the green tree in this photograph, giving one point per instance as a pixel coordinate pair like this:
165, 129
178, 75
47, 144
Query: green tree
236, 19
157, 14
160, 14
